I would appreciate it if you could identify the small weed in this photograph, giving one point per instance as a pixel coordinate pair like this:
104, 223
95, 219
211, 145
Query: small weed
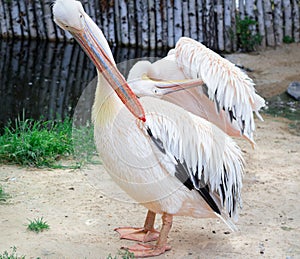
37, 225
3, 195
247, 41
11, 255
288, 39
124, 255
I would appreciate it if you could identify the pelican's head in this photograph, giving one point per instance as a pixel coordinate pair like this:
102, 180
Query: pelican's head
70, 16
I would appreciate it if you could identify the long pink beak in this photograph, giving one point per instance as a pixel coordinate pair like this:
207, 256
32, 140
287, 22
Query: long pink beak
97, 54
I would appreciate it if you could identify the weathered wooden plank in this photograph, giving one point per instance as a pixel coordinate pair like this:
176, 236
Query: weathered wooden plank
296, 20
278, 22
200, 20
220, 10
151, 21
287, 19
178, 21
261, 22
268, 14
124, 23
192, 19
185, 19
159, 20
170, 20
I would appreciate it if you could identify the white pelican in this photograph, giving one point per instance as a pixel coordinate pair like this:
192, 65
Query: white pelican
169, 160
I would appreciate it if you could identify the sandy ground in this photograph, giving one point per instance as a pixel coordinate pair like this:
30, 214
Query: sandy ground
82, 212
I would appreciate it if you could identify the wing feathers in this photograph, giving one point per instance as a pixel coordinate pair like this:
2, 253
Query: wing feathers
226, 83
202, 155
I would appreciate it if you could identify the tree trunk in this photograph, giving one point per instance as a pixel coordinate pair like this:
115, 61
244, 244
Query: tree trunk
50, 29
117, 21
159, 24
232, 34
220, 21
261, 23
170, 23
241, 9
287, 18
278, 22
185, 18
104, 22
178, 23
296, 21
40, 25
269, 23
200, 20
31, 21
3, 27
145, 25
151, 8
111, 24
209, 25
131, 22
8, 18
124, 23
164, 13
14, 10
192, 19
250, 14
142, 26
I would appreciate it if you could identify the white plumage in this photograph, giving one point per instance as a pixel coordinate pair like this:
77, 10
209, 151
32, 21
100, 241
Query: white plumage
165, 157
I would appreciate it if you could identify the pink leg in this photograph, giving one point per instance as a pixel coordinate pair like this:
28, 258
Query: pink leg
147, 250
145, 234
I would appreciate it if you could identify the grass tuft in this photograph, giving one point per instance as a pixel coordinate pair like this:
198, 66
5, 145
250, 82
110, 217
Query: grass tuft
3, 195
35, 143
125, 254
37, 225
44, 143
11, 255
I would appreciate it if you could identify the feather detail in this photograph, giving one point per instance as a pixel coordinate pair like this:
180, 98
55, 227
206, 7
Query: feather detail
227, 85
201, 155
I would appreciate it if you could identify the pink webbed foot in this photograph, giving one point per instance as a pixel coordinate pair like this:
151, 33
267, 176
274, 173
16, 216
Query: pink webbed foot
138, 234
147, 250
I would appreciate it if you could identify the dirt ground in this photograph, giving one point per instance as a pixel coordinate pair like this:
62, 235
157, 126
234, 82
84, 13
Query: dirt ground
83, 206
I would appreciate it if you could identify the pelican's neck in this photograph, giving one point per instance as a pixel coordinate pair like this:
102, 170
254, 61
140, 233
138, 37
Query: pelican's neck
106, 104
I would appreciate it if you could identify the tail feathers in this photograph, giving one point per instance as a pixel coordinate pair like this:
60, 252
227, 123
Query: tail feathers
228, 221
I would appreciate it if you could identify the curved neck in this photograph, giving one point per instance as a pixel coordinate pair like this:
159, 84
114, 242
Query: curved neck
106, 104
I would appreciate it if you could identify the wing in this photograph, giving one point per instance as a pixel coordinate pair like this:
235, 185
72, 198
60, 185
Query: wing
230, 88
163, 79
197, 153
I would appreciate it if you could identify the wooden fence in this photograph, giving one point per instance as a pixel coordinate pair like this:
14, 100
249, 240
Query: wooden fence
158, 24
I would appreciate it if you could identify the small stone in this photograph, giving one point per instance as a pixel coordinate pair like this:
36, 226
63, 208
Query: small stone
294, 90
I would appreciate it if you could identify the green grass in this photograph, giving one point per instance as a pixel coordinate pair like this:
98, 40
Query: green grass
3, 195
45, 143
11, 255
37, 225
123, 255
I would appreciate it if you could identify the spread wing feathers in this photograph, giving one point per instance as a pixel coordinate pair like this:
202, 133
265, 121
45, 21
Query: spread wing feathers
199, 154
228, 86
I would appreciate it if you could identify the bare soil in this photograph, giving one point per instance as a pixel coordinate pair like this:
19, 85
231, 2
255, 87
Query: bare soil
84, 206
